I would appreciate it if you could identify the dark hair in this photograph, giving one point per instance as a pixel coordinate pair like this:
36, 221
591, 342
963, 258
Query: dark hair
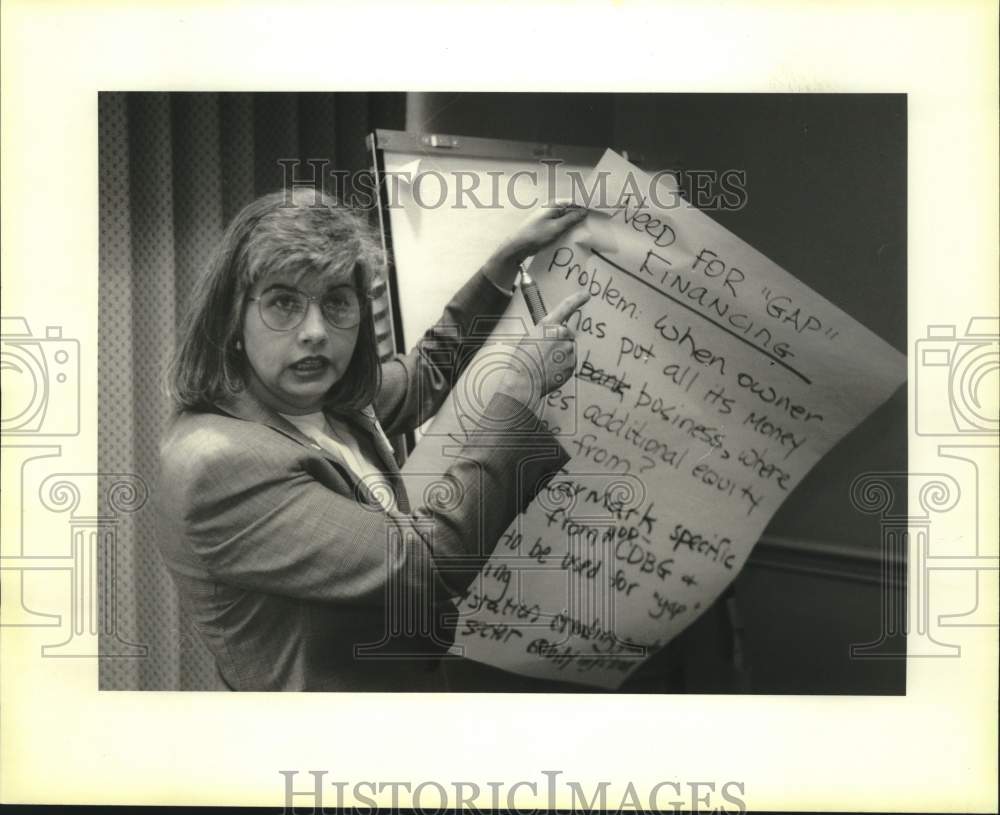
303, 231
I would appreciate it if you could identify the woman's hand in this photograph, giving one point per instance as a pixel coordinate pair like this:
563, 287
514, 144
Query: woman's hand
542, 227
549, 352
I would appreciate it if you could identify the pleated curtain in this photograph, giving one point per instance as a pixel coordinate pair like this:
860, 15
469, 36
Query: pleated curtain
174, 169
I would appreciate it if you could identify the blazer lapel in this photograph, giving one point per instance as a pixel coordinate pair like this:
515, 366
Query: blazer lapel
366, 421
244, 405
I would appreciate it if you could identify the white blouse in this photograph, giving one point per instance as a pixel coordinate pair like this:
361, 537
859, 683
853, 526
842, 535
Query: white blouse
336, 437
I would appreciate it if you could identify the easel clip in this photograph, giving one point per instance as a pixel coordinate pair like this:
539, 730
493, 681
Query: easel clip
435, 140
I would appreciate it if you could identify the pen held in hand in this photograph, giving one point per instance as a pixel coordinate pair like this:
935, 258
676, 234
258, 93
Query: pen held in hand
532, 298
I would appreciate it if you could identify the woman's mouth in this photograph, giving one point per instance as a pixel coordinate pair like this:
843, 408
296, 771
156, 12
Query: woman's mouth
310, 365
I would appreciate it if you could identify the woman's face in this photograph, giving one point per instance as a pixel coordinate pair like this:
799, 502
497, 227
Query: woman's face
291, 371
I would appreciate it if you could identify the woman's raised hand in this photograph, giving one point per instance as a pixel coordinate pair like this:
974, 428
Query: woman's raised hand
558, 342
548, 354
542, 227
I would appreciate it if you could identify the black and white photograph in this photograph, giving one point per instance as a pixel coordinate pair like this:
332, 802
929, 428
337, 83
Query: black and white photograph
510, 407
264, 562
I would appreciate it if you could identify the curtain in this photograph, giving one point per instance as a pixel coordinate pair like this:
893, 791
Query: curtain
174, 169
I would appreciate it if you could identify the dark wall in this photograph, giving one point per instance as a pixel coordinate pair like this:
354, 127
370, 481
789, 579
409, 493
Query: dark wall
826, 184
825, 173
586, 119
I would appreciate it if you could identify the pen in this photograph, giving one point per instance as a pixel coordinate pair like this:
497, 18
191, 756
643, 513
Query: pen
532, 297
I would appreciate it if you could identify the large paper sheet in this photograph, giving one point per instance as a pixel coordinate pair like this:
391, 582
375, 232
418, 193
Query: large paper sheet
708, 382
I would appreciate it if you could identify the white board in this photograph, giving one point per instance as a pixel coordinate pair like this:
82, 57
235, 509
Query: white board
437, 248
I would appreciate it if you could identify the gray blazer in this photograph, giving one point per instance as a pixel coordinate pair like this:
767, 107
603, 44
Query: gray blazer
288, 568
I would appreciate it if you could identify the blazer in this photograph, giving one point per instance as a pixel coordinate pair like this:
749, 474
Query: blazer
289, 569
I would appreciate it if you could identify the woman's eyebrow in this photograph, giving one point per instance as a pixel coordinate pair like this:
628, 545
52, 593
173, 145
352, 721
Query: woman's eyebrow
278, 285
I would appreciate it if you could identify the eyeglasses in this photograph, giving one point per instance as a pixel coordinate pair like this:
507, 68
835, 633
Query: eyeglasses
284, 308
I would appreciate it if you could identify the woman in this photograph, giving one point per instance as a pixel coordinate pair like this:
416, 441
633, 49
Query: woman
297, 553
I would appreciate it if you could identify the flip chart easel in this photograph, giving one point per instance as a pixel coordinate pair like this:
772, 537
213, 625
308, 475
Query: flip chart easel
653, 272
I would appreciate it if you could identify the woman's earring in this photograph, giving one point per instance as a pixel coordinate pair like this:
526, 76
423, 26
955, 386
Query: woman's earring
239, 345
